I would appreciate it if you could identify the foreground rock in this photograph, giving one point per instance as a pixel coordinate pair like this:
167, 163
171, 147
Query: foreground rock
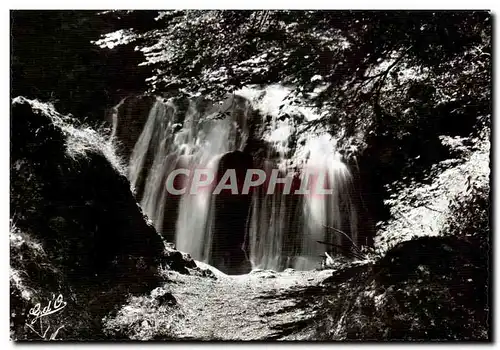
76, 227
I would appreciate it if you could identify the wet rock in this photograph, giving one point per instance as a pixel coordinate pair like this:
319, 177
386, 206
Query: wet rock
163, 297
267, 275
206, 270
230, 216
263, 273
178, 261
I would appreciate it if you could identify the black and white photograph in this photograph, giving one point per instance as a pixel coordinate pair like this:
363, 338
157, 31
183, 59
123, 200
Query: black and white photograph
250, 175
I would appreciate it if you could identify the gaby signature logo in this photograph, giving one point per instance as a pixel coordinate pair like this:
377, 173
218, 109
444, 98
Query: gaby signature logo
38, 320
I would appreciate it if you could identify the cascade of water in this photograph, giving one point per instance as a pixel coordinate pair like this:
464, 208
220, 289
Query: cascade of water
283, 229
266, 229
212, 138
154, 142
270, 229
325, 213
198, 142
271, 224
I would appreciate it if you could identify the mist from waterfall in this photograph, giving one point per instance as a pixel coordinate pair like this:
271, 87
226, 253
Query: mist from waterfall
326, 215
281, 230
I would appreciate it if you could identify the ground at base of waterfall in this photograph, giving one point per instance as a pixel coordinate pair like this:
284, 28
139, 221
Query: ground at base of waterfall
223, 307
430, 288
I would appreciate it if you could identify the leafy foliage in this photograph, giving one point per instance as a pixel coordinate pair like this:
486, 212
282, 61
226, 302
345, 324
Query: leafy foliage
352, 63
470, 212
437, 204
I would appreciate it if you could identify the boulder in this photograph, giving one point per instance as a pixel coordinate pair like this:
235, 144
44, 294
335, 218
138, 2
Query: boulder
76, 228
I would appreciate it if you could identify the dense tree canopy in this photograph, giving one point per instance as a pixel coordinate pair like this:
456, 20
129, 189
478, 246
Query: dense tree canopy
363, 69
352, 64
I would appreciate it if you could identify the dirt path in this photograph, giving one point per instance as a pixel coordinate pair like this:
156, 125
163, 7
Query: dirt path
260, 305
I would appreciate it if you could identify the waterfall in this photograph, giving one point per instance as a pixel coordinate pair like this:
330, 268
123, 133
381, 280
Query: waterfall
326, 214
272, 240
195, 140
274, 231
153, 140
267, 227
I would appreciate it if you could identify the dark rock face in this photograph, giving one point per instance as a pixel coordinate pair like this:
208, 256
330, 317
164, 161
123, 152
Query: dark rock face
231, 214
128, 119
180, 262
163, 297
81, 207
